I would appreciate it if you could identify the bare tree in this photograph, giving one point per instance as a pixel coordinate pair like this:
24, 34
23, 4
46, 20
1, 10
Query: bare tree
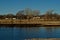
20, 14
10, 15
28, 12
49, 14
36, 12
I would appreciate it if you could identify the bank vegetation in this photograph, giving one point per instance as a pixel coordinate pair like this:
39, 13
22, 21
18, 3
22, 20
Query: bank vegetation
30, 14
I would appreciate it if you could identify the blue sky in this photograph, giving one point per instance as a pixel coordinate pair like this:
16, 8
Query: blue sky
13, 6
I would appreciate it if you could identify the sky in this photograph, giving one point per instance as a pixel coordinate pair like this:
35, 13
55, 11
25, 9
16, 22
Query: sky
13, 6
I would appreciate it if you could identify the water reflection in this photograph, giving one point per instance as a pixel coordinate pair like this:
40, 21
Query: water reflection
6, 33
17, 33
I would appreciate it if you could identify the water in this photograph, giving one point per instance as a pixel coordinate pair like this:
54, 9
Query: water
25, 33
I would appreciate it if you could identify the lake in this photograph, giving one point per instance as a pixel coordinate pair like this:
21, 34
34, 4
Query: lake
18, 33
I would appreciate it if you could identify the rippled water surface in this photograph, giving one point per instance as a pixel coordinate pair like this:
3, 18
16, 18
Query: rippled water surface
17, 33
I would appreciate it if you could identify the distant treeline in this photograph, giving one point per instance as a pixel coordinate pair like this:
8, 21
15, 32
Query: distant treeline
28, 14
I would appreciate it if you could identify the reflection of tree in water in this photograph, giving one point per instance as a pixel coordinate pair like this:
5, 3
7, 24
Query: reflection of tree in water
49, 31
31, 31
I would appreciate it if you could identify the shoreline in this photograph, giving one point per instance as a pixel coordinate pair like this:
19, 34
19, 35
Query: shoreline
27, 25
29, 22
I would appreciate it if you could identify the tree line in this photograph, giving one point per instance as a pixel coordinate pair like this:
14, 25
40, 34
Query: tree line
29, 13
